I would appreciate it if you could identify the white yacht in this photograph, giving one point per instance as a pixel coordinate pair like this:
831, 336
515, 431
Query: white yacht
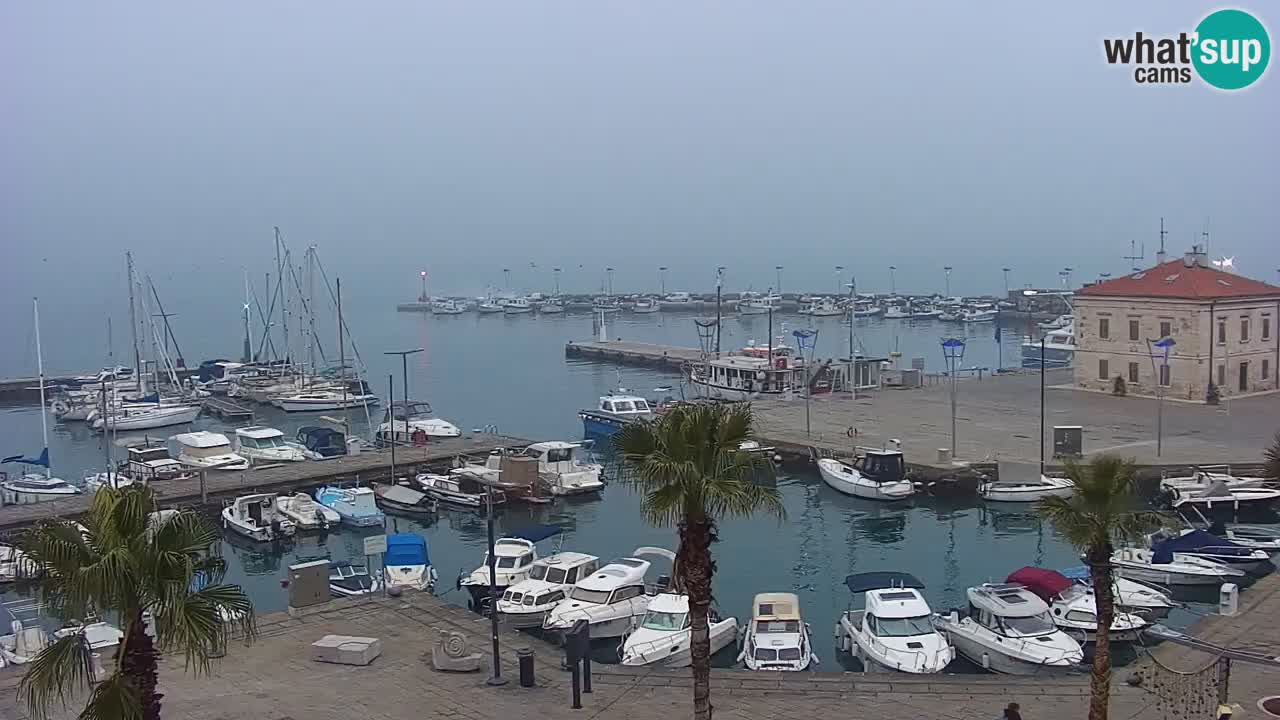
34, 488
1059, 349
267, 445
525, 604
755, 371
357, 395
513, 560
563, 471
1201, 544
752, 304
663, 635
1202, 479
306, 513
461, 489
145, 417
1008, 630
256, 517
612, 599
1162, 568
206, 450
1023, 482
677, 301
645, 306
517, 306
1130, 595
447, 306
422, 424
877, 475
356, 506
777, 638
1073, 608
406, 563
894, 630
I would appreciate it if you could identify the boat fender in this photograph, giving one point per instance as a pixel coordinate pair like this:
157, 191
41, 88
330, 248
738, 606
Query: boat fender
986, 661
851, 432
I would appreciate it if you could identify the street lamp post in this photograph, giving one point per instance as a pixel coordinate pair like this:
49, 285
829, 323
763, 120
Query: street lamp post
662, 280
404, 369
806, 339
893, 285
1006, 281
496, 679
947, 269
839, 269
423, 296
953, 352
1163, 345
719, 287
1030, 293
777, 269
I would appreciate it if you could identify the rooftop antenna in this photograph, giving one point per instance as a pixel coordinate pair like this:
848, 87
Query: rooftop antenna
1160, 255
1205, 234
1133, 257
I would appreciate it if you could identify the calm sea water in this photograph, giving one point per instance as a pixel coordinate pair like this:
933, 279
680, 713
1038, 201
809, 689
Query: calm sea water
511, 371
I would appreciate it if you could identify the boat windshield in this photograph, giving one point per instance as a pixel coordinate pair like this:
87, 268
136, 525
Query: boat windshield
538, 572
552, 575
778, 626
903, 627
1026, 626
654, 620
595, 597
206, 452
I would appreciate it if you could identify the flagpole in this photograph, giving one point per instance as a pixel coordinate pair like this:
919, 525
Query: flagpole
44, 420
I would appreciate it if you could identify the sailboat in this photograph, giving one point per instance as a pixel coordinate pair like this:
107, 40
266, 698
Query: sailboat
36, 487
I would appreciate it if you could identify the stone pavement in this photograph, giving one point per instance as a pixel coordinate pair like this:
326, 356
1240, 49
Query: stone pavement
998, 417
273, 680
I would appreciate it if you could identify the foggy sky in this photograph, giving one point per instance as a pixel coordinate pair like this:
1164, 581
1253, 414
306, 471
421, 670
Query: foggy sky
468, 137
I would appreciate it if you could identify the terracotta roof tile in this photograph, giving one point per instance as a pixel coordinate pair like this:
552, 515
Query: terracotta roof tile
1174, 279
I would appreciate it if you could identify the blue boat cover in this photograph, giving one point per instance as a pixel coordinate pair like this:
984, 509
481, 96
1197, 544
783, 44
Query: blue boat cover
863, 582
406, 549
1201, 541
535, 533
1079, 572
43, 460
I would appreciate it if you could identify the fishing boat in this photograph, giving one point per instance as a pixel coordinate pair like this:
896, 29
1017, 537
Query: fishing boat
447, 306
866, 309
513, 556
204, 450
406, 563
612, 599
894, 629
979, 315
1059, 349
753, 304
306, 513
677, 301
1203, 545
562, 471
1160, 566
777, 638
823, 307
1023, 482
355, 506
877, 475
755, 371
347, 580
525, 604
422, 425
357, 395
461, 489
1130, 595
612, 412
1007, 629
663, 636
551, 306
256, 517
403, 500
266, 444
645, 306
1073, 609
517, 306
605, 304
148, 462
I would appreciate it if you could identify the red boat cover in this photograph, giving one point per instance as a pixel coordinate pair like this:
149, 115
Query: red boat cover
1046, 584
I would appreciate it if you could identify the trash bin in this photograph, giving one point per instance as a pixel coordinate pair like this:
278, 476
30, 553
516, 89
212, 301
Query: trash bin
524, 657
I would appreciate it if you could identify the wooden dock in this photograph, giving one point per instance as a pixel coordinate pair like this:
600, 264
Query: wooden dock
369, 465
229, 410
667, 357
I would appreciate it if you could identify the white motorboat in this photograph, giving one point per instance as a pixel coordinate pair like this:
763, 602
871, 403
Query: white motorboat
356, 506
406, 563
894, 629
1162, 568
113, 479
1073, 608
517, 306
866, 310
513, 555
979, 316
489, 306
99, 636
677, 301
1059, 348
823, 307
612, 412
563, 471
404, 500
611, 600
645, 306
605, 304
206, 450
878, 475
1220, 499
306, 513
525, 604
33, 488
422, 425
664, 634
551, 306
447, 307
1130, 595
1008, 630
752, 304
152, 462
1257, 537
1202, 479
23, 644
347, 580
356, 396
266, 444
1055, 324
1203, 545
777, 638
256, 517
462, 489
146, 417
1023, 482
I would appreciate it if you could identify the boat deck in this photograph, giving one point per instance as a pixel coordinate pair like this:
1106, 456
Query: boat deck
366, 466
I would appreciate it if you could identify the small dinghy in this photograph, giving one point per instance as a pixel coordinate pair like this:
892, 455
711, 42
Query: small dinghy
878, 475
1023, 482
347, 580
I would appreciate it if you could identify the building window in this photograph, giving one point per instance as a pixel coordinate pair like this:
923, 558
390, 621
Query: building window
1244, 330
1222, 375
1165, 375
1266, 328
1166, 328
1104, 329
1222, 332
1266, 368
1133, 330
1103, 373
1133, 372
1244, 376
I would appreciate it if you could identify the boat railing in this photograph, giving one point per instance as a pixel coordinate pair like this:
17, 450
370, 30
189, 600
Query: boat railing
921, 657
593, 613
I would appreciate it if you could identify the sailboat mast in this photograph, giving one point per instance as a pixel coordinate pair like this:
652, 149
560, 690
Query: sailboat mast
44, 408
248, 343
133, 326
311, 307
342, 361
853, 307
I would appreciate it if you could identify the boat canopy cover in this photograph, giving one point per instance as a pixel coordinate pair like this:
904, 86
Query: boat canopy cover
315, 436
863, 582
536, 533
1201, 541
406, 549
1079, 572
1046, 584
403, 495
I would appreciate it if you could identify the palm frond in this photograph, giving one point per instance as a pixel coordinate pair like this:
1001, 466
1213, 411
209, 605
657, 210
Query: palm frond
64, 666
201, 622
113, 699
1101, 511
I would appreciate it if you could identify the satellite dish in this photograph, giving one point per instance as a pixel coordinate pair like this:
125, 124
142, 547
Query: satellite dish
1225, 263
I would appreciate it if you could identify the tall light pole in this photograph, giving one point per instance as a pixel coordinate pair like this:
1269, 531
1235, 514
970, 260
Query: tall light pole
1162, 345
1006, 281
556, 273
609, 275
1029, 293
496, 679
777, 269
947, 270
719, 287
662, 280
506, 279
423, 297
893, 285
953, 353
404, 369
839, 285
806, 339
1068, 272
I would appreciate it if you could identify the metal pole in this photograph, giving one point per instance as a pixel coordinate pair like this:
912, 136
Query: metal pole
953, 408
1042, 405
404, 371
719, 282
497, 678
1160, 416
391, 393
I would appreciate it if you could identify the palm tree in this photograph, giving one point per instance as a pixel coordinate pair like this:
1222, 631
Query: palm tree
1272, 457
132, 562
1101, 513
689, 467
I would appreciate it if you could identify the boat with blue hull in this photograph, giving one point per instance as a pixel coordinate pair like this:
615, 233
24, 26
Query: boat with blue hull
356, 506
612, 412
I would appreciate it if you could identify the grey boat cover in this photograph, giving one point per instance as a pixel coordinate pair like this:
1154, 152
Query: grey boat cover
403, 495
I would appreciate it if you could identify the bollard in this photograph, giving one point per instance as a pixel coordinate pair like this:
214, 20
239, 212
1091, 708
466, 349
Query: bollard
577, 688
524, 659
